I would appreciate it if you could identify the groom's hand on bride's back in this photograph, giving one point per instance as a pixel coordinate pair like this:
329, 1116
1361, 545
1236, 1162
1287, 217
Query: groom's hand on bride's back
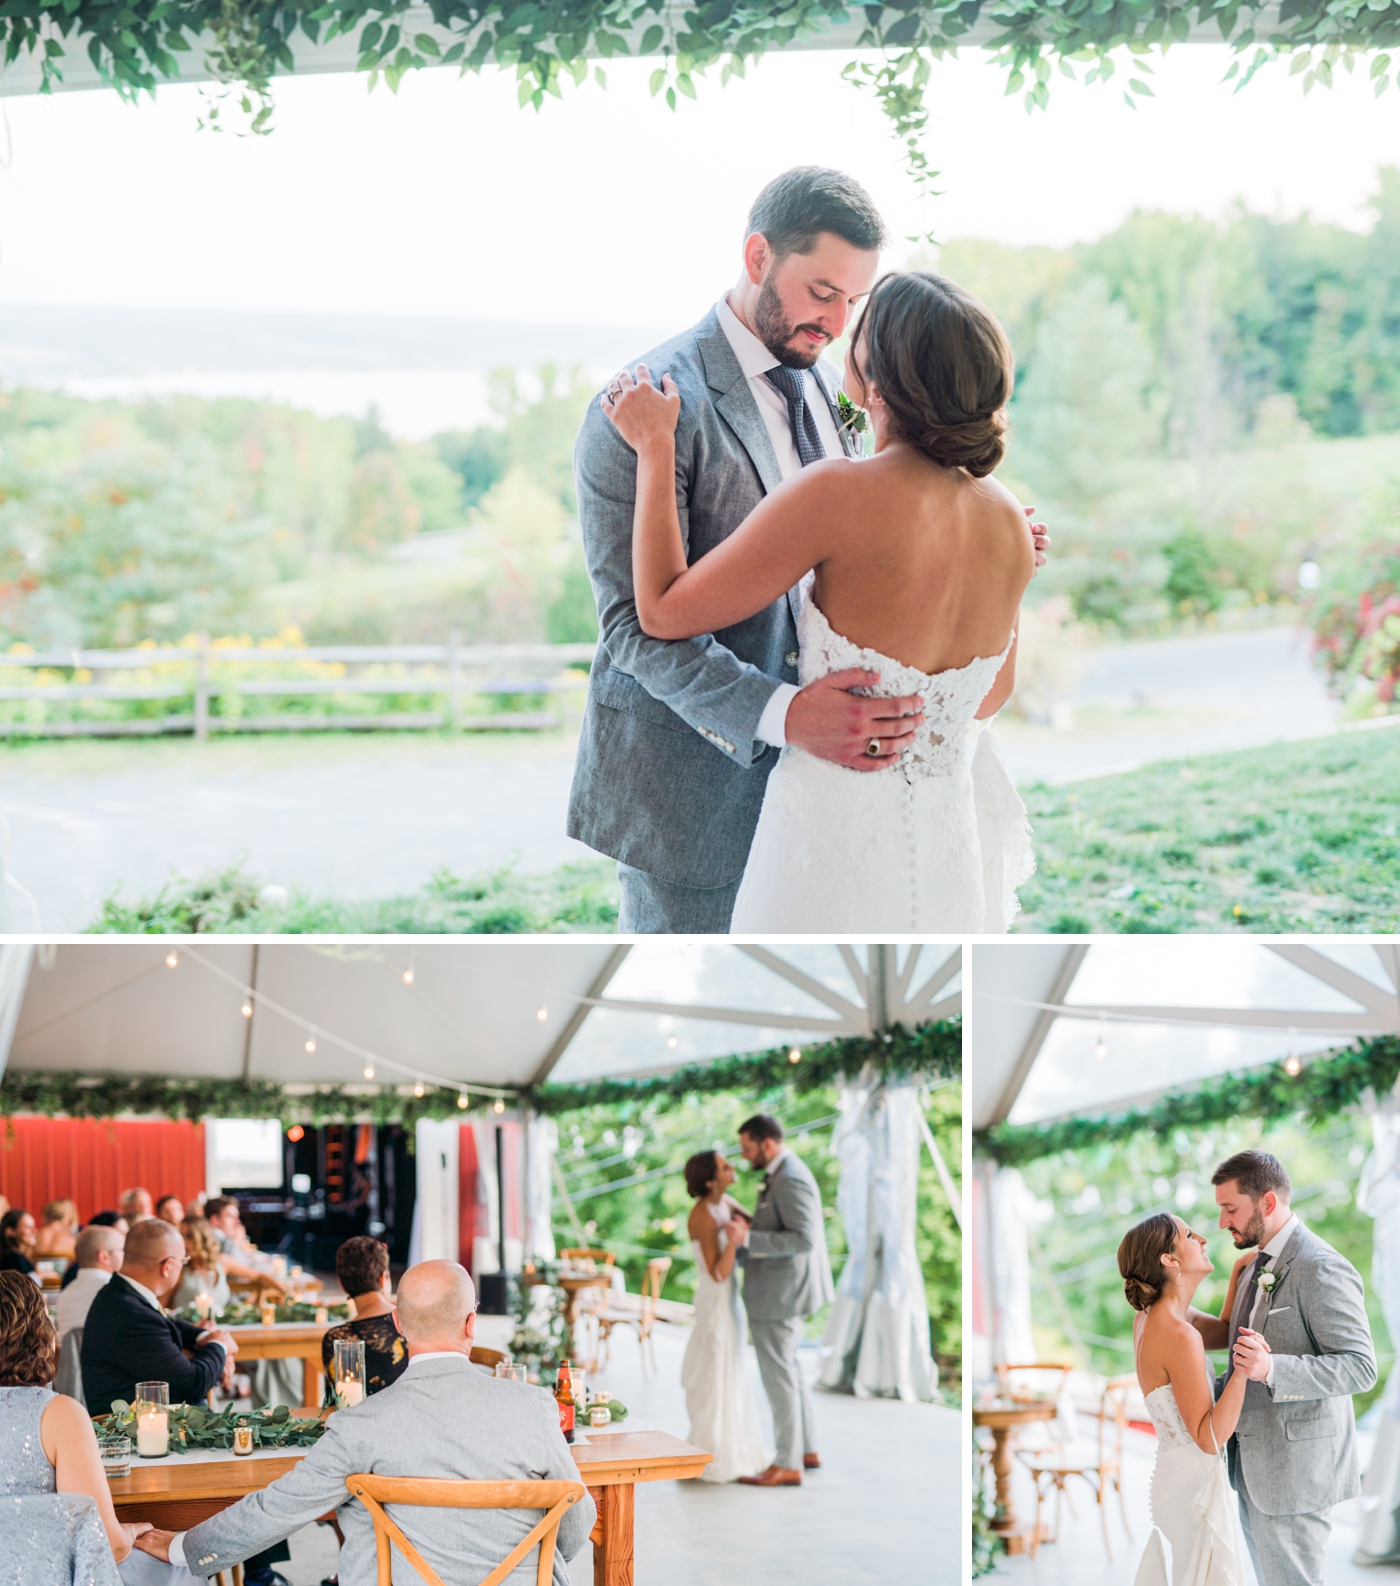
830, 722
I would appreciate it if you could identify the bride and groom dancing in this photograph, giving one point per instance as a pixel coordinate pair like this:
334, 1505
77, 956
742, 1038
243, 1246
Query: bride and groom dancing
782, 1249
1294, 1322
775, 619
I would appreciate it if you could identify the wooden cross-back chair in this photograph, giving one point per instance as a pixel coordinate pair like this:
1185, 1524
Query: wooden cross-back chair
556, 1498
1099, 1463
643, 1318
606, 1257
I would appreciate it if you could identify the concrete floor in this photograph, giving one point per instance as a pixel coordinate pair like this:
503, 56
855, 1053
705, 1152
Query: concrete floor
886, 1506
1078, 1558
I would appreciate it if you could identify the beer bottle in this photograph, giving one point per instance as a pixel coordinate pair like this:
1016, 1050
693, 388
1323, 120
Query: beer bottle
564, 1398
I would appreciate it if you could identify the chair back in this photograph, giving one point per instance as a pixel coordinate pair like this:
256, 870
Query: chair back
55, 1539
1113, 1419
651, 1284
605, 1257
1038, 1379
556, 1498
490, 1358
69, 1378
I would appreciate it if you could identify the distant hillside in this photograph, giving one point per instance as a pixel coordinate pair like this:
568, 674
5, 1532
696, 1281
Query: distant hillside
44, 345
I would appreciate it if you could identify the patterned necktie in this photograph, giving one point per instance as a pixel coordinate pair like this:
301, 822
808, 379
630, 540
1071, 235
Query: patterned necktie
1251, 1295
800, 420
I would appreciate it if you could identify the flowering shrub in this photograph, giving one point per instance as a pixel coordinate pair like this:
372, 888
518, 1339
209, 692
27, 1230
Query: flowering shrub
1356, 634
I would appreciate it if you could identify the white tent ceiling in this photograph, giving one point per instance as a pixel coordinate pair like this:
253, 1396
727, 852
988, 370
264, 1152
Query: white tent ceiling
492, 1013
1063, 1028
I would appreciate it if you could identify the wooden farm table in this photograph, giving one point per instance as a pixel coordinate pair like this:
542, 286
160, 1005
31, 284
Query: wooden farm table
286, 1341
1002, 1418
176, 1496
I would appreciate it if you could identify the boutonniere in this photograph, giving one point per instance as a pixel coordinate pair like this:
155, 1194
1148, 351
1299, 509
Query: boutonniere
1268, 1281
852, 418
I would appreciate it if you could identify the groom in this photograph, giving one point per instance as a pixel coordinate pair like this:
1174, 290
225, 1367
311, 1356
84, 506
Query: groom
1294, 1453
787, 1278
679, 737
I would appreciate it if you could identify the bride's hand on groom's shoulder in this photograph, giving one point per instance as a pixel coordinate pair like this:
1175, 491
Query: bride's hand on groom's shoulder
642, 412
1040, 537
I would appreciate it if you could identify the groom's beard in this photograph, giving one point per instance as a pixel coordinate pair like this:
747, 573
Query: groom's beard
776, 331
1253, 1232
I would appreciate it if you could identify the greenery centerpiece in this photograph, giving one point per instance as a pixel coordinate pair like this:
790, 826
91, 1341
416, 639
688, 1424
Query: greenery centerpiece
247, 1313
193, 1427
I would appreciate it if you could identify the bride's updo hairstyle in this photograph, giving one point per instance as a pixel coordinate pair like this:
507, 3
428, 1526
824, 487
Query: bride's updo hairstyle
942, 366
1140, 1258
700, 1173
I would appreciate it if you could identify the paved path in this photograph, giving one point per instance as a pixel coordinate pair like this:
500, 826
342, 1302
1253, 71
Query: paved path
373, 816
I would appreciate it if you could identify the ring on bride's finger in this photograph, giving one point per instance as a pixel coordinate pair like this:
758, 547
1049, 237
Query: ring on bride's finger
873, 747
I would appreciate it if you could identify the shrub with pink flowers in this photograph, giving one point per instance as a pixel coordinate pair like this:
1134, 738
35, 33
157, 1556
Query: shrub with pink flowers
1356, 633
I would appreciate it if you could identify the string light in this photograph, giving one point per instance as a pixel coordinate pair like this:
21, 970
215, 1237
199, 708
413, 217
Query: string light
311, 1043
671, 1042
795, 1055
462, 1101
408, 973
418, 1089
1293, 1064
369, 1070
500, 1105
171, 959
247, 1010
1101, 1046
542, 1012
295, 1133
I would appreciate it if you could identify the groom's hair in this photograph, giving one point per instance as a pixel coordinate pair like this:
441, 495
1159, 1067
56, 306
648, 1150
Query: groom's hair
762, 1127
798, 206
1256, 1173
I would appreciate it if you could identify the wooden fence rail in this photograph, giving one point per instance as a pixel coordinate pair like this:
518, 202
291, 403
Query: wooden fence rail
453, 671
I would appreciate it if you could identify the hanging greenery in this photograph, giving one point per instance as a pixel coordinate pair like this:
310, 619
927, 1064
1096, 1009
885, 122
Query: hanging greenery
1320, 1089
933, 1051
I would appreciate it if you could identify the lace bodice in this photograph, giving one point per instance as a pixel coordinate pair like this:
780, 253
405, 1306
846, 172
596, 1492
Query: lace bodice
950, 698
1167, 1418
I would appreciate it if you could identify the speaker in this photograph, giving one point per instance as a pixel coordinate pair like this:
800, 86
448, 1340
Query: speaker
492, 1293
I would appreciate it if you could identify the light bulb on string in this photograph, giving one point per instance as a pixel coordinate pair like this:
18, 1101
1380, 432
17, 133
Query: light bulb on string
419, 1089
247, 1009
794, 1055
500, 1105
1292, 1064
1101, 1046
408, 973
462, 1100
369, 1070
671, 1042
311, 1042
542, 1012
171, 959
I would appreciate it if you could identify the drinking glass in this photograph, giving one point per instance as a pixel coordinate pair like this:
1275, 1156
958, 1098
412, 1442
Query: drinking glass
116, 1456
580, 1381
348, 1373
152, 1420
519, 1373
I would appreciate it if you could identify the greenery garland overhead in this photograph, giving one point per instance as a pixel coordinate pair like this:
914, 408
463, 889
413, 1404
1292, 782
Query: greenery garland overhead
933, 1051
1323, 1087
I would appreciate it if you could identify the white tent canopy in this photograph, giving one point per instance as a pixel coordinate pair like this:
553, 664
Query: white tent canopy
494, 1014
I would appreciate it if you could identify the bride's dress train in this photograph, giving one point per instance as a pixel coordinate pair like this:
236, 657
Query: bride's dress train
723, 1412
1196, 1538
938, 842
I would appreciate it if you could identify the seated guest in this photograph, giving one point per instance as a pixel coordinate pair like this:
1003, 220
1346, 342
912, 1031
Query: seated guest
18, 1232
128, 1338
222, 1216
47, 1442
107, 1219
362, 1265
442, 1419
58, 1229
99, 1256
137, 1205
170, 1209
204, 1274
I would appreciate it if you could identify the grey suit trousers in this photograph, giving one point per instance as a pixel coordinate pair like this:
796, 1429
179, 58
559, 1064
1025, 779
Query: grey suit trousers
794, 1424
652, 907
1287, 1549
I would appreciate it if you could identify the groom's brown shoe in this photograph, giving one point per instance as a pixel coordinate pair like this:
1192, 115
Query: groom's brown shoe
774, 1476
811, 1462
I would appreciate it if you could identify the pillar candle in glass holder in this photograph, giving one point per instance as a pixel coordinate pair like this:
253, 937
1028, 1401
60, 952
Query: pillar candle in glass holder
348, 1372
322, 1314
152, 1419
204, 1305
269, 1314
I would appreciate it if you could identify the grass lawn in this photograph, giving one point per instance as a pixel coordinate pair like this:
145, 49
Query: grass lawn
1294, 837
578, 897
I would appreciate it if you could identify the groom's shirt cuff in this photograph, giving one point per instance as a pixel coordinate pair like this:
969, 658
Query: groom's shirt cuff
1269, 1380
772, 724
177, 1550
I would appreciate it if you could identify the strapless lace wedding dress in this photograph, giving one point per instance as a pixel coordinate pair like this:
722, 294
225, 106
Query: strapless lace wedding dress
937, 842
723, 1410
1196, 1538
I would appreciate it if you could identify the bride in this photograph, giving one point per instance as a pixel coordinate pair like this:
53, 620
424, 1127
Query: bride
1196, 1538
723, 1412
920, 560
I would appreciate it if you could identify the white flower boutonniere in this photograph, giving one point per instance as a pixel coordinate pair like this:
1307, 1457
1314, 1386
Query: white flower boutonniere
1268, 1281
852, 418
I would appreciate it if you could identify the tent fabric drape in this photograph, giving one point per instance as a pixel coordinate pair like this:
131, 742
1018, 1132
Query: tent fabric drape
877, 1337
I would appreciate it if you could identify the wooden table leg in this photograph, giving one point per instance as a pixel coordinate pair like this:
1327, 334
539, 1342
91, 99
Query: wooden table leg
311, 1374
612, 1536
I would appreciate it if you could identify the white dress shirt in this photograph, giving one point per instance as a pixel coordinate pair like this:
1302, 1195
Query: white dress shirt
75, 1301
755, 360
1271, 1251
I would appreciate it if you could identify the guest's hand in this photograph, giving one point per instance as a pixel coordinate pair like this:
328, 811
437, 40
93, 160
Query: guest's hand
221, 1335
1251, 1355
149, 1540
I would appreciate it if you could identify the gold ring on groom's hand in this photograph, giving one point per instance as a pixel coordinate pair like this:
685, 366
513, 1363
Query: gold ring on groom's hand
873, 747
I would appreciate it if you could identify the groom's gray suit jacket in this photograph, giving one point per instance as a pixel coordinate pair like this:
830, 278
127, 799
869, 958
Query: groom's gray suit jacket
670, 774
787, 1271
441, 1419
1295, 1447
